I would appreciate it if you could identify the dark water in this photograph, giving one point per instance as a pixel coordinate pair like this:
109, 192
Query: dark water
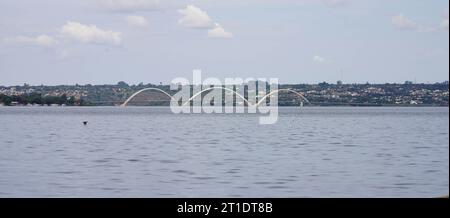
150, 152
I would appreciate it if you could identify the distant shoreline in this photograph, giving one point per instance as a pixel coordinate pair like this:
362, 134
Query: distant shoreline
323, 94
306, 106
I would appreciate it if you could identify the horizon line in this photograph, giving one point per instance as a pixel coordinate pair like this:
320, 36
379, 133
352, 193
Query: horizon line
165, 84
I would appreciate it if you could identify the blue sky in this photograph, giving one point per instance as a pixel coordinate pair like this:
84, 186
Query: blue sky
298, 41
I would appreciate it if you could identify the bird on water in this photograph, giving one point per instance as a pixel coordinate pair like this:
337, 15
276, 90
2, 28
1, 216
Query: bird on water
85, 123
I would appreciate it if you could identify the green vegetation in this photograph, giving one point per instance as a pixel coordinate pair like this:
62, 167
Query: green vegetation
322, 94
38, 99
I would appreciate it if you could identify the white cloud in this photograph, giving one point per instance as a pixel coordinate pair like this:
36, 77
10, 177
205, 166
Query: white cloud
444, 24
404, 23
137, 21
194, 17
129, 5
219, 32
318, 59
41, 40
89, 34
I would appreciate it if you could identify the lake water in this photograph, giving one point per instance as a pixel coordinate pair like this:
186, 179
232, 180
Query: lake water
150, 152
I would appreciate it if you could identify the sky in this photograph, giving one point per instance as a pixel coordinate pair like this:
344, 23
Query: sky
64, 42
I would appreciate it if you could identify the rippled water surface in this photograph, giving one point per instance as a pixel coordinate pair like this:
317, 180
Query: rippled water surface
150, 152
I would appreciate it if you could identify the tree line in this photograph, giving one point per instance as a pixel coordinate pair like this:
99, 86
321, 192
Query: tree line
39, 99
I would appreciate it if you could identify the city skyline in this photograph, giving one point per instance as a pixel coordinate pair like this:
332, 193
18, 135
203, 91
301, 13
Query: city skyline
149, 41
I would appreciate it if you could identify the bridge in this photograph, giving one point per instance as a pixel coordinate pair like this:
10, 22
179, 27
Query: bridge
170, 98
257, 104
